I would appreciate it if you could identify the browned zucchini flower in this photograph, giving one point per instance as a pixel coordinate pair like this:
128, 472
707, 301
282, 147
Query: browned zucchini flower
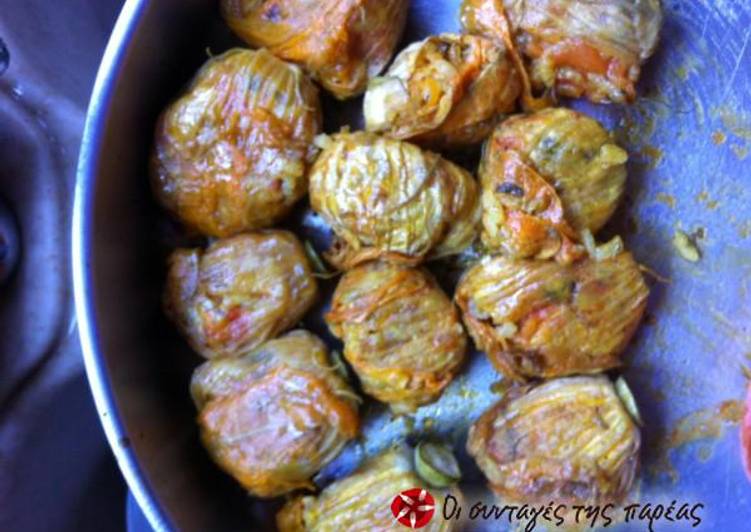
573, 48
341, 43
274, 417
389, 199
569, 440
362, 501
239, 292
447, 91
231, 153
546, 178
544, 319
401, 333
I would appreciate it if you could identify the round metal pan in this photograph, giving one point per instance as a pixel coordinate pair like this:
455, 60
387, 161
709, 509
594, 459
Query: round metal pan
689, 136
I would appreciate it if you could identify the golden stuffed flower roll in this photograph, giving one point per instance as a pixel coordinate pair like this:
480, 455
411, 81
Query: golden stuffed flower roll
447, 91
544, 319
572, 48
545, 178
239, 292
391, 200
569, 440
232, 152
363, 501
401, 333
341, 43
274, 417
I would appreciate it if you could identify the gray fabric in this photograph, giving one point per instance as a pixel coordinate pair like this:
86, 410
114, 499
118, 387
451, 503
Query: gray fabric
56, 471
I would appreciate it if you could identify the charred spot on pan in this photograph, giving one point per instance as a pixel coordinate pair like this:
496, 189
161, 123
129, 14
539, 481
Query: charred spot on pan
512, 189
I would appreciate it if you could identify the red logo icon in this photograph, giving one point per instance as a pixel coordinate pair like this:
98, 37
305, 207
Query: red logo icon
413, 508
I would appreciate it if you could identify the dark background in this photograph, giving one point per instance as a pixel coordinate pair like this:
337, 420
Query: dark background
56, 470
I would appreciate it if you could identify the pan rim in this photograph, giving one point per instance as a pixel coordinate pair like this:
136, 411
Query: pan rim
108, 74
